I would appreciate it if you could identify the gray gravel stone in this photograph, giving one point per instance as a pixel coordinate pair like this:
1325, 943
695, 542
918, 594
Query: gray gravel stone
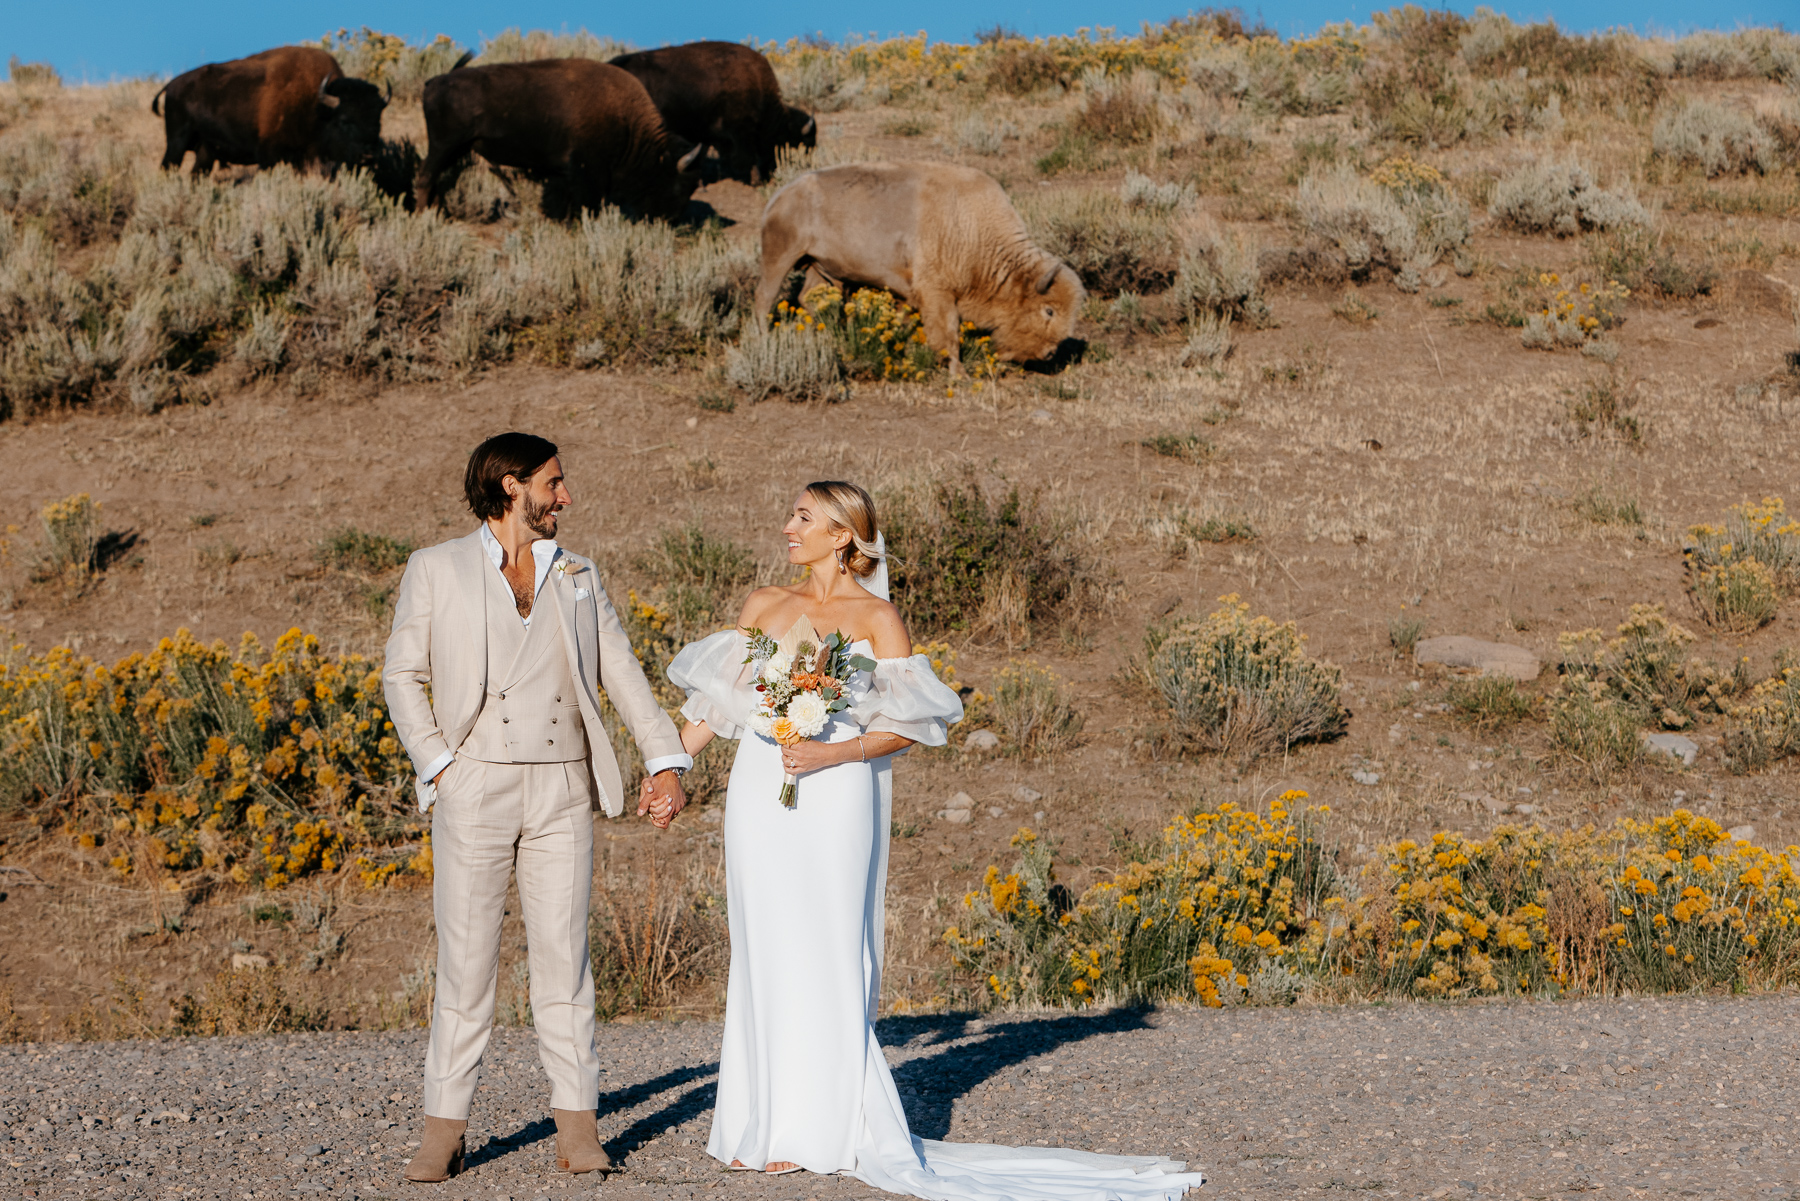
1680, 1098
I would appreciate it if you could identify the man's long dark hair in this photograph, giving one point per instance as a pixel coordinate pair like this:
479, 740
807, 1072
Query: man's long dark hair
515, 454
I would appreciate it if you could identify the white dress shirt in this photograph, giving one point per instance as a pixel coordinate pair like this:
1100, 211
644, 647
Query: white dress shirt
544, 553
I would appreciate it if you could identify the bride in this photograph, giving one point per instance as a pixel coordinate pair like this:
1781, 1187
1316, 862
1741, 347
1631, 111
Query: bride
802, 1080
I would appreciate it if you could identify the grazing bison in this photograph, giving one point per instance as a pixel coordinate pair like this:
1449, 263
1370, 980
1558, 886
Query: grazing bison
943, 238
587, 130
723, 95
289, 105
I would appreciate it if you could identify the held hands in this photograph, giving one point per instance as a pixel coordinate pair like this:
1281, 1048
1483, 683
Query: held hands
661, 797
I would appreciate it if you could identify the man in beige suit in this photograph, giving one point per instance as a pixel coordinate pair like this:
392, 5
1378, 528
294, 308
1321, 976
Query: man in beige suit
501, 643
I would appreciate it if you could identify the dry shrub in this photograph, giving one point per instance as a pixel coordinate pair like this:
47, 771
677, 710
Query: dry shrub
798, 362
961, 553
389, 61
1111, 243
517, 46
1243, 686
80, 189
1562, 199
1766, 727
244, 1001
1119, 110
1218, 277
1034, 710
12, 1022
1402, 216
1020, 68
313, 277
1715, 140
654, 942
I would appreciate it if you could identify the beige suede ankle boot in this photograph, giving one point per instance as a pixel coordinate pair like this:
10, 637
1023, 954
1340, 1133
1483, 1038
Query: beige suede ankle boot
440, 1151
578, 1146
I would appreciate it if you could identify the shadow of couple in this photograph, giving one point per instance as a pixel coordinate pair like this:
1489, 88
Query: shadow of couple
958, 1053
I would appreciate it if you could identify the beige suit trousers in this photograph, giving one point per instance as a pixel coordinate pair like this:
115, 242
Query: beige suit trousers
490, 820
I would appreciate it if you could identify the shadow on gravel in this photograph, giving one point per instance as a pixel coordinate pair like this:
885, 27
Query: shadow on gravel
690, 1104
930, 1084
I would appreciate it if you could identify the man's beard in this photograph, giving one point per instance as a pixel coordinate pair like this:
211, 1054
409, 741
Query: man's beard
539, 519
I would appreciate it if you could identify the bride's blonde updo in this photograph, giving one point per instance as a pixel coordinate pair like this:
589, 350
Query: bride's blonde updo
850, 507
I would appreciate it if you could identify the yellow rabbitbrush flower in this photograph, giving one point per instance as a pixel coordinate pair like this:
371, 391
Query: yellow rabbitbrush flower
247, 763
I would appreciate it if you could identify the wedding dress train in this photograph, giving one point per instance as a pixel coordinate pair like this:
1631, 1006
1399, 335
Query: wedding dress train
801, 1076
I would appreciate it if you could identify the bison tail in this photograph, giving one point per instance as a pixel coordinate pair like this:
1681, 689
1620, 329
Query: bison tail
467, 57
156, 101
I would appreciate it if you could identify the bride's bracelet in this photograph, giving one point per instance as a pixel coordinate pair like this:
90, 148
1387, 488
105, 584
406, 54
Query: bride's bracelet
862, 747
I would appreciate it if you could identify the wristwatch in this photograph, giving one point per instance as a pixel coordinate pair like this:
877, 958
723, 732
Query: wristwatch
679, 771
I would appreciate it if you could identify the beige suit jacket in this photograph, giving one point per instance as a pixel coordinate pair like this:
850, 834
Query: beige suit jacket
436, 673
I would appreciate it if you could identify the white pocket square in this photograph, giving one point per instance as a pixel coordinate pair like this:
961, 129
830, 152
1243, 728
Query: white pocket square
582, 594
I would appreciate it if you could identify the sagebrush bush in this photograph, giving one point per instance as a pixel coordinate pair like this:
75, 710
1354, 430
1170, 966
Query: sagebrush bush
799, 362
310, 276
1715, 139
1402, 217
982, 134
1561, 199
1034, 710
1119, 109
1242, 685
390, 61
1218, 277
957, 549
1112, 244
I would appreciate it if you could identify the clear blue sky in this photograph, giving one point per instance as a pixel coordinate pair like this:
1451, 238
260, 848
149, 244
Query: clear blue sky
96, 40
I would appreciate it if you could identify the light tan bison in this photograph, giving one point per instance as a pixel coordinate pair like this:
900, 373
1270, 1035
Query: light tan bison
943, 238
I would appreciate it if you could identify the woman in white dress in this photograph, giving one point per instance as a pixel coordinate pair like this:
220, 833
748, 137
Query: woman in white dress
802, 1080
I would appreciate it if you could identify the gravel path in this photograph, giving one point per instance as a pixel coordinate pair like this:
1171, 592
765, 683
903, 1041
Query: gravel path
1681, 1098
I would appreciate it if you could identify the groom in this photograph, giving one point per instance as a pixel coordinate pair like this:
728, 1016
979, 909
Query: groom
502, 641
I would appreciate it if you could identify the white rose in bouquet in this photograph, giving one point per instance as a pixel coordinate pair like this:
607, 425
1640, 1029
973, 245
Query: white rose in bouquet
808, 713
761, 722
777, 666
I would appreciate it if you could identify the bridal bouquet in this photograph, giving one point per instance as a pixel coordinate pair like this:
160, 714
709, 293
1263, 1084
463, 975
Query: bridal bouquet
799, 685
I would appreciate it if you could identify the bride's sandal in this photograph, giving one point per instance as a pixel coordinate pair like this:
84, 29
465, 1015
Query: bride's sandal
738, 1165
772, 1170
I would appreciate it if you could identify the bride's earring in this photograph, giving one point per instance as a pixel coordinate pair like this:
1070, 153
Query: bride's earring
841, 568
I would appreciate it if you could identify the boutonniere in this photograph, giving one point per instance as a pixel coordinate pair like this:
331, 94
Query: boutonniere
565, 566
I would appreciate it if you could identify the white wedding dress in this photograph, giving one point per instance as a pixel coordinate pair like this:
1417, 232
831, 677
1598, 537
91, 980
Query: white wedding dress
801, 1076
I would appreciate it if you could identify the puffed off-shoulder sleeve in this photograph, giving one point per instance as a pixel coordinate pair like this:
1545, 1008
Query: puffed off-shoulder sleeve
905, 697
720, 685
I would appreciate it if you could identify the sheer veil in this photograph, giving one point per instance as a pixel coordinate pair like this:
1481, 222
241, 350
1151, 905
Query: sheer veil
877, 583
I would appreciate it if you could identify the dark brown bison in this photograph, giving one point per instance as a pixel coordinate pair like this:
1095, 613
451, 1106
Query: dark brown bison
586, 130
288, 105
943, 238
723, 95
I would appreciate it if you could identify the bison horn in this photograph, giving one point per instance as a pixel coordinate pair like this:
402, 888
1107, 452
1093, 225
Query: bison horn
325, 98
1049, 278
388, 97
686, 161
806, 131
